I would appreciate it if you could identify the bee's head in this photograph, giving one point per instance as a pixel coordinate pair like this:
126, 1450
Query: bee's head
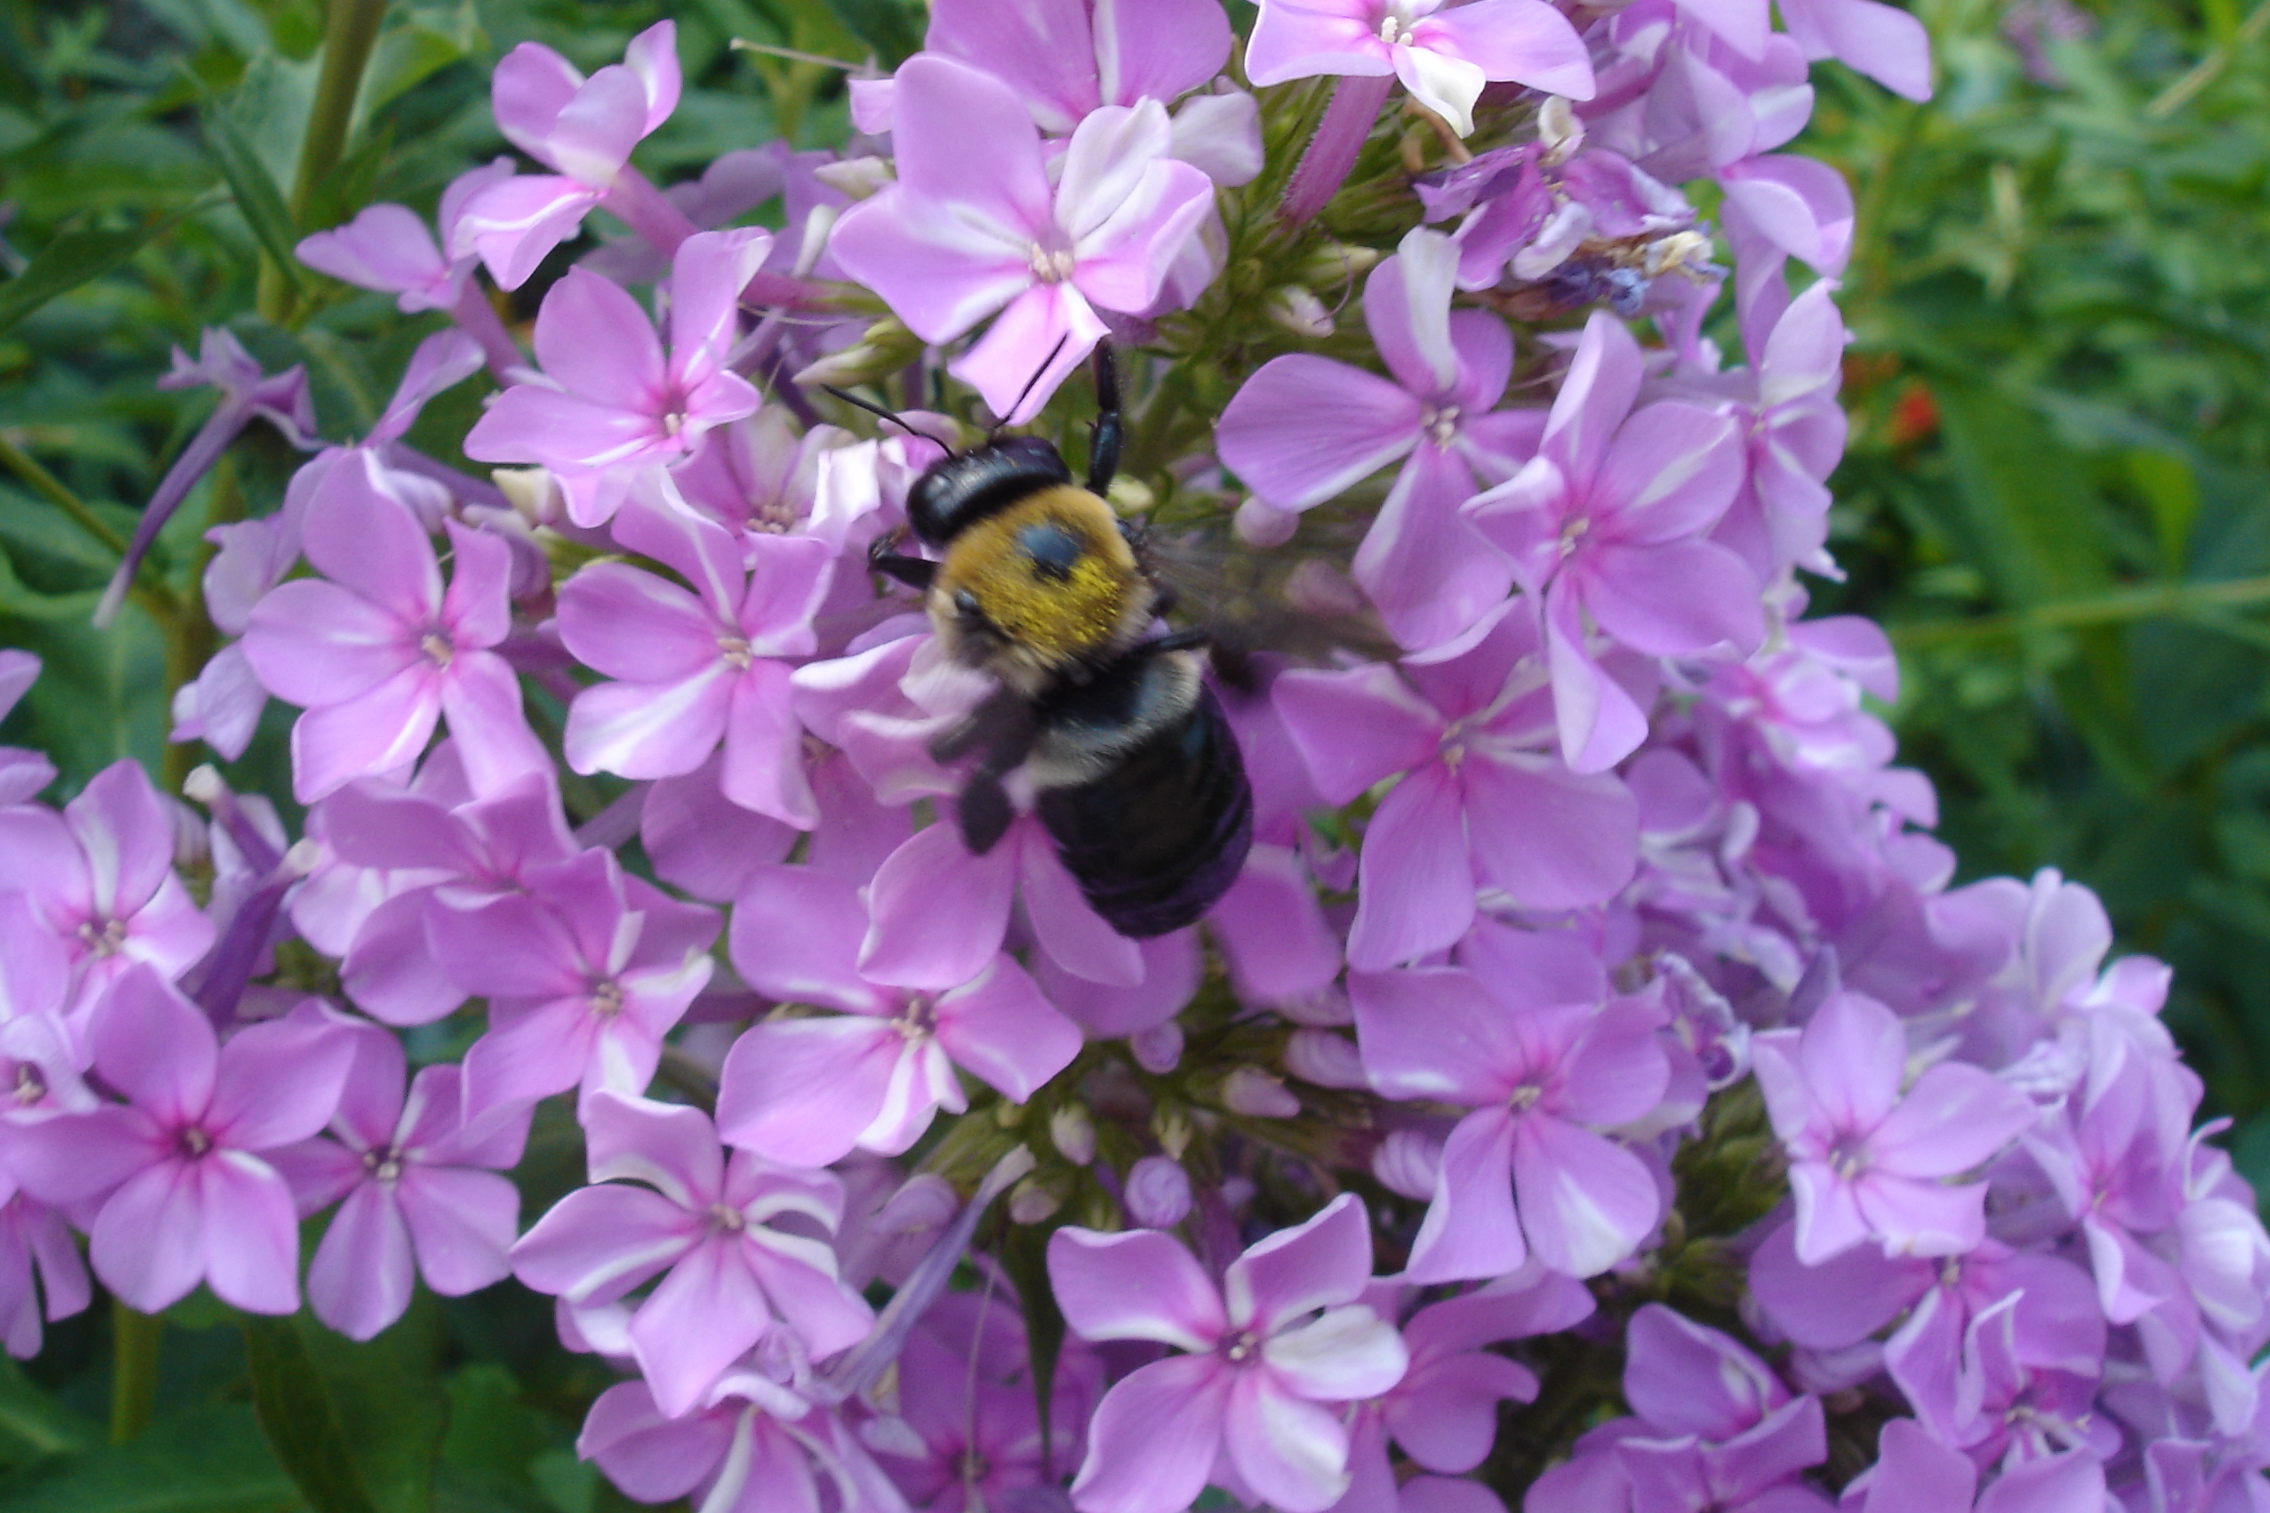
957, 492
1044, 583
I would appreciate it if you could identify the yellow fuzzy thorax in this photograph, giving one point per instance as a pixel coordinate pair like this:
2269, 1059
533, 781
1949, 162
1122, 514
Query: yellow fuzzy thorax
1101, 602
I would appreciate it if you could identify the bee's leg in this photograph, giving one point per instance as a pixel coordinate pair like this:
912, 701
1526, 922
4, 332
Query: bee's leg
1004, 729
1109, 431
1178, 640
983, 812
1231, 661
914, 572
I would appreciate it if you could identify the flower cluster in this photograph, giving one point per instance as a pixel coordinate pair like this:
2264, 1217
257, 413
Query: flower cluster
1592, 1041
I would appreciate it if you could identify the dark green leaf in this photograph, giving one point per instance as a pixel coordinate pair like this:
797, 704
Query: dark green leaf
209, 1460
257, 196
1025, 1255
75, 257
892, 29
301, 1421
33, 1424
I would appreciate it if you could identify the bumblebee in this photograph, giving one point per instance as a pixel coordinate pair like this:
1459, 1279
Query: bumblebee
1136, 772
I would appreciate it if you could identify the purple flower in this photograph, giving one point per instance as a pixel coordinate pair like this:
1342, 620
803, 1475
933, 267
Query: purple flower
610, 397
100, 876
22, 773
1916, 1473
733, 1273
1606, 525
1067, 58
1305, 429
1482, 805
1866, 1160
754, 1447
177, 1174
247, 394
806, 1091
376, 651
416, 1198
388, 248
1523, 1032
1263, 1361
1443, 55
1882, 41
584, 973
974, 225
696, 668
584, 130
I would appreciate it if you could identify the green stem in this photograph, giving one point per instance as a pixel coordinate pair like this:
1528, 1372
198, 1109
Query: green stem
2147, 602
2184, 90
349, 34
134, 1370
50, 488
190, 637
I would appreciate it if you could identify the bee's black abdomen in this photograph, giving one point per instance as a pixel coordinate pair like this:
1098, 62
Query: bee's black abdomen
1158, 839
953, 495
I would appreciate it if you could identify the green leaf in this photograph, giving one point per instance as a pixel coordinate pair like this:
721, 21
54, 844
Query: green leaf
1025, 1256
301, 1421
33, 1424
208, 1460
257, 196
75, 257
2171, 489
888, 27
358, 1425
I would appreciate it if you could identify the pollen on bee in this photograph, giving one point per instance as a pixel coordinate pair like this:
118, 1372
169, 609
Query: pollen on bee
1052, 574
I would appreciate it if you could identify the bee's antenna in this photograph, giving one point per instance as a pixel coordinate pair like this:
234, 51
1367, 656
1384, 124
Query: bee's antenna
1030, 384
872, 408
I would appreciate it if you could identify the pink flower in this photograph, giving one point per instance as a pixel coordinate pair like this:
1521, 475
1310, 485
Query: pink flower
696, 668
376, 652
1443, 55
177, 1174
22, 773
1281, 1337
1523, 1032
584, 130
416, 1198
610, 397
974, 225
1606, 525
1305, 429
1866, 1160
1481, 805
711, 1223
1066, 58
585, 972
807, 1091
100, 876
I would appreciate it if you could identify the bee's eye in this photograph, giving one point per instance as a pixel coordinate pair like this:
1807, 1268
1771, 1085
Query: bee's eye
967, 607
1051, 549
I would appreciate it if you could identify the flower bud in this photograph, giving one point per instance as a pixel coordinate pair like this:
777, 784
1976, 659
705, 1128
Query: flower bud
1257, 1095
1326, 1059
856, 178
1157, 1050
1264, 525
1033, 1200
533, 493
1074, 1134
1408, 1163
882, 350
1335, 264
1173, 1132
1299, 311
1559, 130
1158, 1192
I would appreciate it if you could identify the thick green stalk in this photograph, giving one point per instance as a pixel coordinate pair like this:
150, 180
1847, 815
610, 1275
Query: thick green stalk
2178, 601
133, 1371
349, 34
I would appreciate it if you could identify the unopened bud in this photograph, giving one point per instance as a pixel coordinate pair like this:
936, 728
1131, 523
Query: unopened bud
1299, 311
1158, 1192
533, 493
1033, 1200
1129, 495
1335, 264
1257, 1095
1074, 1134
1326, 1059
856, 178
1173, 1132
882, 350
1560, 130
1408, 1163
1264, 525
1157, 1050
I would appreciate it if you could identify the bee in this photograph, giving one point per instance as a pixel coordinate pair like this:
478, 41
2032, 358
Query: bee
1135, 770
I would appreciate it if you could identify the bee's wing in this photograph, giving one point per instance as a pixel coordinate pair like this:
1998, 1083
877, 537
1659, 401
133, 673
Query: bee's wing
1249, 601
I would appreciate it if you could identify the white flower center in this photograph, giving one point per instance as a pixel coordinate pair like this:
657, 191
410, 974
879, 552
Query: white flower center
384, 1163
1052, 265
725, 1219
735, 650
1441, 424
437, 648
1241, 1347
918, 1018
105, 939
30, 1085
607, 999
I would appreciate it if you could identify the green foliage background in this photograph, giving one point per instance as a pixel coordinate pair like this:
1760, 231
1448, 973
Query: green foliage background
2057, 495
